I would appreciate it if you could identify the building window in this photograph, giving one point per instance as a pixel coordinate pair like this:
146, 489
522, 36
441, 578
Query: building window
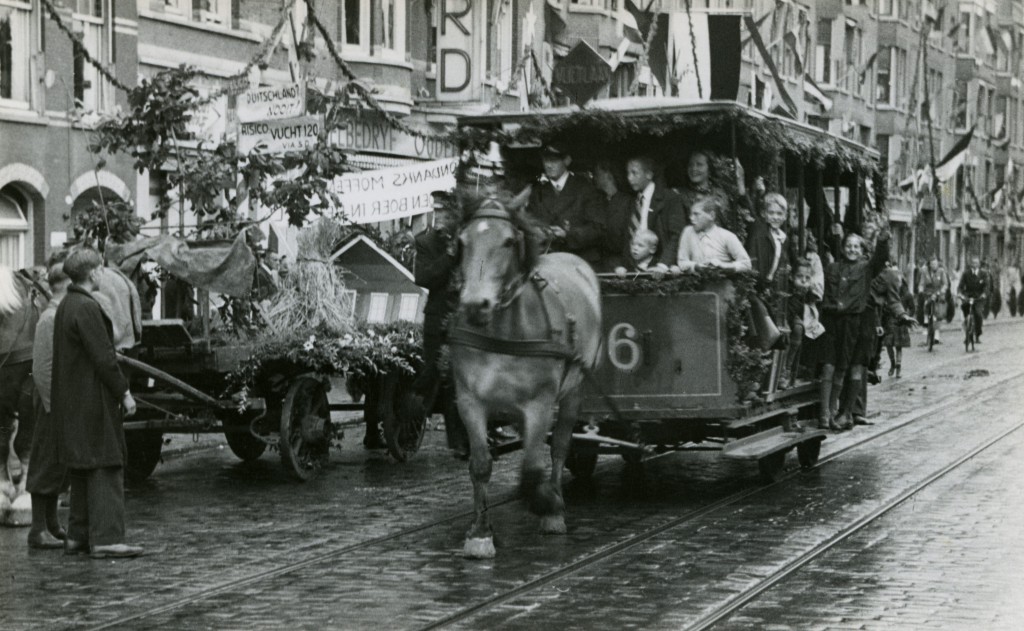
14, 53
883, 76
91, 91
888, 8
374, 27
378, 310
960, 116
963, 33
408, 307
852, 49
823, 52
500, 62
13, 229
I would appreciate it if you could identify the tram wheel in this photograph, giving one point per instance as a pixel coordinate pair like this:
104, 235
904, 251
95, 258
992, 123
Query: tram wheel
772, 466
808, 452
305, 427
581, 463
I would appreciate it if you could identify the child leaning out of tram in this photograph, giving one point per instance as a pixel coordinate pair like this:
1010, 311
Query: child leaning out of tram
642, 249
705, 244
802, 315
846, 346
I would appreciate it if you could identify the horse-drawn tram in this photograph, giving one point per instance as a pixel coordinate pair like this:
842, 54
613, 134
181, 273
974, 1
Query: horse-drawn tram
689, 360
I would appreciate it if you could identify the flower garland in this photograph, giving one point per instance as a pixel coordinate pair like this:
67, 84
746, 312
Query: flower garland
747, 366
367, 351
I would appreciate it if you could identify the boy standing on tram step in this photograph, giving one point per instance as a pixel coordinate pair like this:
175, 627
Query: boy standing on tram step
87, 412
569, 208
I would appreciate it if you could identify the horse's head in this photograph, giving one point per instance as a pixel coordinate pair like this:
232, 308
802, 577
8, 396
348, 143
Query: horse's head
496, 255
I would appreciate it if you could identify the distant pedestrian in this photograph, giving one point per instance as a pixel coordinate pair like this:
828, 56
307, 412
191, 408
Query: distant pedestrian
47, 478
89, 394
897, 329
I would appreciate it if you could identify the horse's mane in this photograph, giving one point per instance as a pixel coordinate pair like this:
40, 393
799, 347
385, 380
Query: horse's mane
10, 296
471, 198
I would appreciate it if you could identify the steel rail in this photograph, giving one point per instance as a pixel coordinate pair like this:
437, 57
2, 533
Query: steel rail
553, 575
725, 502
751, 594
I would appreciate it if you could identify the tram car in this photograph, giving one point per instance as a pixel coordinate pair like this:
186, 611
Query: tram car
684, 367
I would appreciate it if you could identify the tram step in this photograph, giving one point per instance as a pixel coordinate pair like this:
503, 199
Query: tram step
765, 443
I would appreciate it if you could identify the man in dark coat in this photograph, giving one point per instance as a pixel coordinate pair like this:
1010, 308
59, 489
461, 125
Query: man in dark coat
435, 264
974, 284
568, 207
656, 208
89, 394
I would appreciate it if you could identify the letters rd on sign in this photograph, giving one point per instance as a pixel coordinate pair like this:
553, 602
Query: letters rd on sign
294, 134
272, 103
581, 74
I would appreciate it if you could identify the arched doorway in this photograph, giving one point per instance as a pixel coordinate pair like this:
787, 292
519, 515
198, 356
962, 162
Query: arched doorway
15, 230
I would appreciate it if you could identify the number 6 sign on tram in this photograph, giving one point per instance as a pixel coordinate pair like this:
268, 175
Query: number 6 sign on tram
623, 350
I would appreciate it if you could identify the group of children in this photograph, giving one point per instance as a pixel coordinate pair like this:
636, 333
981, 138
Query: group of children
834, 314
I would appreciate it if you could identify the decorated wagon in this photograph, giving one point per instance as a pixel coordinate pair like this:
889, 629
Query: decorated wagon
263, 391
683, 365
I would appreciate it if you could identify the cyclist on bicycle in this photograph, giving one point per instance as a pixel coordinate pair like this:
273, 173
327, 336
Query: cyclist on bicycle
973, 285
934, 282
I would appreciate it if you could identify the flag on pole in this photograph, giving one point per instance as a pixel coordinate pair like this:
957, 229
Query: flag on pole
697, 72
863, 73
947, 167
556, 18
767, 58
630, 27
812, 90
987, 41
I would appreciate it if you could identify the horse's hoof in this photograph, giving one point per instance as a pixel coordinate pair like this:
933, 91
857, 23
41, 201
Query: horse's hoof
479, 548
552, 525
19, 512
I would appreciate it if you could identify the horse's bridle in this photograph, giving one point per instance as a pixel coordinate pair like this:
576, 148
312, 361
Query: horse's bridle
491, 209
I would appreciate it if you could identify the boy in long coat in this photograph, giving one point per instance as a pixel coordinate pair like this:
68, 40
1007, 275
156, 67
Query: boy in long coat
88, 393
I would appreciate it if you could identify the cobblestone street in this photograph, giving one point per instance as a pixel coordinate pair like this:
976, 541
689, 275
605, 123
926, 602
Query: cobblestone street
696, 541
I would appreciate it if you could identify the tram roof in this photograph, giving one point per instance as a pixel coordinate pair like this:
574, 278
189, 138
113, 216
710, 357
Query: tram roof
660, 116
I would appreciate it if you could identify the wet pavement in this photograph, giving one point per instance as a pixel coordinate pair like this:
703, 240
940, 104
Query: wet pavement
374, 543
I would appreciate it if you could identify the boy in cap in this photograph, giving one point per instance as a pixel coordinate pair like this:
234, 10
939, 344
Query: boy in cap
569, 208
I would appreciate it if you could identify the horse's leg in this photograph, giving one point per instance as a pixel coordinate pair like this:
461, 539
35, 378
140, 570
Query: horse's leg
534, 483
561, 437
480, 538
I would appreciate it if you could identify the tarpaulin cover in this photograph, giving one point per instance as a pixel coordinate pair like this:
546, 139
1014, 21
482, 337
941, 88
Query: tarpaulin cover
217, 266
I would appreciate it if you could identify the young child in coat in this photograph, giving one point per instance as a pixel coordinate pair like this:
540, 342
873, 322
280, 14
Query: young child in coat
802, 316
641, 252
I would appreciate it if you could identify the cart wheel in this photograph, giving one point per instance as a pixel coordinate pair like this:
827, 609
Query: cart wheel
143, 453
305, 427
244, 444
581, 463
772, 466
404, 422
807, 452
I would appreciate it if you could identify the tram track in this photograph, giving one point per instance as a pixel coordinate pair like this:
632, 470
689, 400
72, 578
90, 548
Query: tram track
557, 573
747, 596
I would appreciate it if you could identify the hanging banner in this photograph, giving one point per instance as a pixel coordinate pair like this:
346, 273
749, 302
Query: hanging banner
371, 133
386, 194
581, 74
272, 103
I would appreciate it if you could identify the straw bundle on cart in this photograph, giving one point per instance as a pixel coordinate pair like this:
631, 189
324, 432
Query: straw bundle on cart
312, 295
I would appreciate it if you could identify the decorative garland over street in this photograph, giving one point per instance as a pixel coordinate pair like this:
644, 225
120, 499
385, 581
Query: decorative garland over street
747, 366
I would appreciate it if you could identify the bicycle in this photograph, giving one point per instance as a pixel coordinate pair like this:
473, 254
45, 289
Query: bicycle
969, 329
929, 316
